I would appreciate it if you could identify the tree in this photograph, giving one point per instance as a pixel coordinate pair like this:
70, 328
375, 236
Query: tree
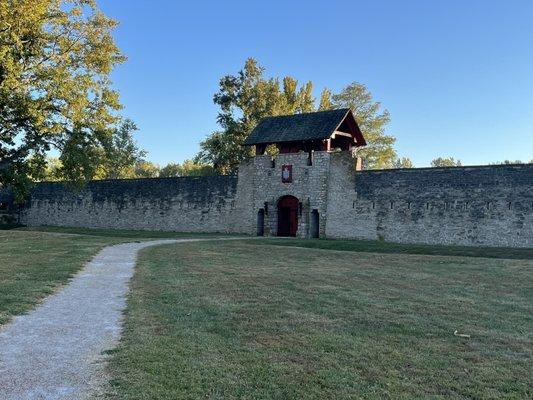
187, 168
244, 99
403, 162
171, 170
55, 92
121, 153
53, 169
247, 97
146, 169
379, 151
325, 100
507, 162
445, 162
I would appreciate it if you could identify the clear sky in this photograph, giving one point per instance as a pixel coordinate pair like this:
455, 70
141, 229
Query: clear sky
456, 76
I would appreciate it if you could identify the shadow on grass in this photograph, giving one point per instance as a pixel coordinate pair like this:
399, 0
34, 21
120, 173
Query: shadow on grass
371, 246
124, 233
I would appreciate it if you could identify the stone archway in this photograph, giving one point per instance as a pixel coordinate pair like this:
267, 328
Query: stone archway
287, 216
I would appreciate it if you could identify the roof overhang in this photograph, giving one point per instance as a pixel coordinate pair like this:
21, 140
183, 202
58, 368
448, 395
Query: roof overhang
355, 132
307, 127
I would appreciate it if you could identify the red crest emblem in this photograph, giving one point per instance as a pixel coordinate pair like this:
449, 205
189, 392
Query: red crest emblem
286, 173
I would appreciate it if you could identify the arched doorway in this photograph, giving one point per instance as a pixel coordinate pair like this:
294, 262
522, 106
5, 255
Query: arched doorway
287, 216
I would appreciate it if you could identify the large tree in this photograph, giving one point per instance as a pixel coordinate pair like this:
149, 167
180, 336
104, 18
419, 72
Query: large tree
379, 151
247, 97
244, 99
120, 153
55, 92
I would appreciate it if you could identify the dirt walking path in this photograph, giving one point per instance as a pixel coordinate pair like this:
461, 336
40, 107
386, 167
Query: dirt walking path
55, 351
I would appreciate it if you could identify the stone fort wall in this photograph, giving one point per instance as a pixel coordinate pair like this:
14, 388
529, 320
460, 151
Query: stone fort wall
485, 205
202, 204
488, 205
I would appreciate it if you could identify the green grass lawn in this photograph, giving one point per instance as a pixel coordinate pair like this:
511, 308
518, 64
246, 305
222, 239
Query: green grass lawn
287, 319
374, 246
250, 320
123, 233
35, 262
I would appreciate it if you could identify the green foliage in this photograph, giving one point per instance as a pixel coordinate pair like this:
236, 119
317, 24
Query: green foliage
121, 153
55, 92
508, 162
146, 169
53, 169
379, 152
187, 168
244, 99
247, 97
325, 100
116, 159
404, 162
445, 162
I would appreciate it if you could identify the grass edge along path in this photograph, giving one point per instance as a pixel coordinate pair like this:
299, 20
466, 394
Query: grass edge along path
245, 320
36, 262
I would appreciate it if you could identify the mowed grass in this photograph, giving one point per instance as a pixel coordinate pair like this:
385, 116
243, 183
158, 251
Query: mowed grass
375, 246
248, 320
35, 262
124, 233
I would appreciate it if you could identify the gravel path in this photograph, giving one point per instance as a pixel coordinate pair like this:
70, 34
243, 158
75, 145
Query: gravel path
54, 352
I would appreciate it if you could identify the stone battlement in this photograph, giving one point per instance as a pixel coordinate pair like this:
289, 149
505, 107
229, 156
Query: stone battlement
480, 205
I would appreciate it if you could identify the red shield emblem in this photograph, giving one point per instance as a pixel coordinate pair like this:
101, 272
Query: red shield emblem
286, 173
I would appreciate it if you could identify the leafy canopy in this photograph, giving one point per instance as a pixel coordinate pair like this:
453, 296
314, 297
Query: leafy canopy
379, 151
55, 92
120, 154
186, 168
404, 162
244, 99
445, 162
247, 97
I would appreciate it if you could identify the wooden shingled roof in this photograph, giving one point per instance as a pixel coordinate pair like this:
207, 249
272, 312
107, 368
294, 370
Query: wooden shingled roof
304, 127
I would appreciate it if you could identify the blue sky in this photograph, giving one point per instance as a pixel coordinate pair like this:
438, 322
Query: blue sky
456, 76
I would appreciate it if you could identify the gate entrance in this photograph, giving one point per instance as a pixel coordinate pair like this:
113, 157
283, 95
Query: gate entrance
287, 216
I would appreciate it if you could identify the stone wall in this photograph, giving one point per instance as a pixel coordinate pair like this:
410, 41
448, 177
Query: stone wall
487, 205
191, 204
260, 187
8, 215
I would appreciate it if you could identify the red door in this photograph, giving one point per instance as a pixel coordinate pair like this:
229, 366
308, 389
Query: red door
287, 216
